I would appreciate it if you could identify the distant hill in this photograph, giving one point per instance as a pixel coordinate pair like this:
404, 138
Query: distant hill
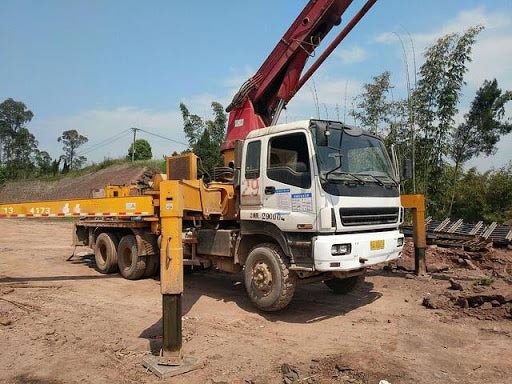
76, 185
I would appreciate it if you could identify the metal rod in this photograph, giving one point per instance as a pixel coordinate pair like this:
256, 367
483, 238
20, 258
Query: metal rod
335, 43
171, 322
277, 112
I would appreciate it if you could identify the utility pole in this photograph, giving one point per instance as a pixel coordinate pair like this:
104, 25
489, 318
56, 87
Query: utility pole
133, 145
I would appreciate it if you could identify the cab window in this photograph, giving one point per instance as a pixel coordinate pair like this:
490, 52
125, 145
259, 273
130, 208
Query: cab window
288, 160
252, 160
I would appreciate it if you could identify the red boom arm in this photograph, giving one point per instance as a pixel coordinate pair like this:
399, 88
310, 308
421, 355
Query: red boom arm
260, 100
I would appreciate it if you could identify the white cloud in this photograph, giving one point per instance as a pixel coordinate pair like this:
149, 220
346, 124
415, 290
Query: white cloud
334, 99
494, 23
351, 55
492, 50
237, 77
101, 124
386, 38
490, 59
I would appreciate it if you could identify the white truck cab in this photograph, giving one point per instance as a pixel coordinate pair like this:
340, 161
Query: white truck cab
328, 193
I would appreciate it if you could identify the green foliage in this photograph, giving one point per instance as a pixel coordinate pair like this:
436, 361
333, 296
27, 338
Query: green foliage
423, 127
483, 125
17, 144
373, 108
436, 98
486, 282
481, 130
205, 137
43, 162
142, 150
72, 140
486, 196
3, 176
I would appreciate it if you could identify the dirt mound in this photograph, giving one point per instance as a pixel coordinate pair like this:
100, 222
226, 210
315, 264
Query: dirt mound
484, 299
474, 284
496, 263
72, 187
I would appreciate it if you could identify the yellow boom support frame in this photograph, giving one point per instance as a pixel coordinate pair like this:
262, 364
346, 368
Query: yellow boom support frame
100, 207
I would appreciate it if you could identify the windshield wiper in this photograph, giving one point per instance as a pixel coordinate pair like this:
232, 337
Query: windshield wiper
354, 177
379, 180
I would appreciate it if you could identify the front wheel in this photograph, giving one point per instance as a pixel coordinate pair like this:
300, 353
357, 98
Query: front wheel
268, 281
346, 285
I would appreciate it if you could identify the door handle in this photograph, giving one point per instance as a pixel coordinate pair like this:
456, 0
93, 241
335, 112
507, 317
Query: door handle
270, 190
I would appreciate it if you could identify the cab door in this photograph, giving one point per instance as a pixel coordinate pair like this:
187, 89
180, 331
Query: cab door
288, 188
251, 185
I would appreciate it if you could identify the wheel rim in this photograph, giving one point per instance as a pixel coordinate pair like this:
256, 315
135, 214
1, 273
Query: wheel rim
262, 278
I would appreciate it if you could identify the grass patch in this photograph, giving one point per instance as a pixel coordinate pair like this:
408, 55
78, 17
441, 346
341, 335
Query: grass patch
486, 282
154, 165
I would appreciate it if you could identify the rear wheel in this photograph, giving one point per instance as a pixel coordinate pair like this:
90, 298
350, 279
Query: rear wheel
152, 263
344, 286
131, 265
268, 281
105, 253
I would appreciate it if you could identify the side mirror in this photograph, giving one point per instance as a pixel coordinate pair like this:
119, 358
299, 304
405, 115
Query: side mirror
407, 169
322, 134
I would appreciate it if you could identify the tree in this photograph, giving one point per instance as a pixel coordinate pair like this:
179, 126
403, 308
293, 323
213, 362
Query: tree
499, 195
71, 141
373, 107
43, 163
17, 144
436, 98
484, 196
142, 150
205, 137
481, 130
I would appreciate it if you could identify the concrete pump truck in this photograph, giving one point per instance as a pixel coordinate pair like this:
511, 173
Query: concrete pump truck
308, 201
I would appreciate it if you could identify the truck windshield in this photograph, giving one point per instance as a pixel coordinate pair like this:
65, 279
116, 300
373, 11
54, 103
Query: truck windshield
362, 159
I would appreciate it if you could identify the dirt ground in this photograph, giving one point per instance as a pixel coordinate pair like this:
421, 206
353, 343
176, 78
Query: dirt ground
62, 322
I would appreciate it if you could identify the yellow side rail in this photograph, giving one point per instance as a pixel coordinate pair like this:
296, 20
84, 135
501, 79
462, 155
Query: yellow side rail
101, 207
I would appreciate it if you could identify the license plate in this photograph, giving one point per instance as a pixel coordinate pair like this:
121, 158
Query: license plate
376, 245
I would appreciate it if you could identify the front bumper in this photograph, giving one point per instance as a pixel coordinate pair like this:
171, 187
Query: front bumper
361, 255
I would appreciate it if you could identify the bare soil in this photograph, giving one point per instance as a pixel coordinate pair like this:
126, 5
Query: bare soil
63, 322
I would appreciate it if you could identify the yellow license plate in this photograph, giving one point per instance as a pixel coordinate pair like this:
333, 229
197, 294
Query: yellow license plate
376, 245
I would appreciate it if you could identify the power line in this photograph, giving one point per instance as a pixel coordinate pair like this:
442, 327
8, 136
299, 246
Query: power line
105, 142
162, 137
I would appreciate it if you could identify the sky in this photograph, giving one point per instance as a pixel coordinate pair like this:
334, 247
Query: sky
102, 67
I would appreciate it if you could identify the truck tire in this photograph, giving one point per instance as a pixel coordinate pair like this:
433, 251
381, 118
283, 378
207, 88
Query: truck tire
131, 265
105, 253
152, 264
344, 286
268, 281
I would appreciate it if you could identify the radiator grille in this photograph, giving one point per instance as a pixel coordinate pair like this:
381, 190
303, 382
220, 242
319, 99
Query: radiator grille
369, 216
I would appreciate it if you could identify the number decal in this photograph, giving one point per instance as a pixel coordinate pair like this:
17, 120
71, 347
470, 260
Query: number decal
40, 210
251, 187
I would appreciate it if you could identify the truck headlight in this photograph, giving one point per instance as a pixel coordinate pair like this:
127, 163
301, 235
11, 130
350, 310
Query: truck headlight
400, 242
340, 249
